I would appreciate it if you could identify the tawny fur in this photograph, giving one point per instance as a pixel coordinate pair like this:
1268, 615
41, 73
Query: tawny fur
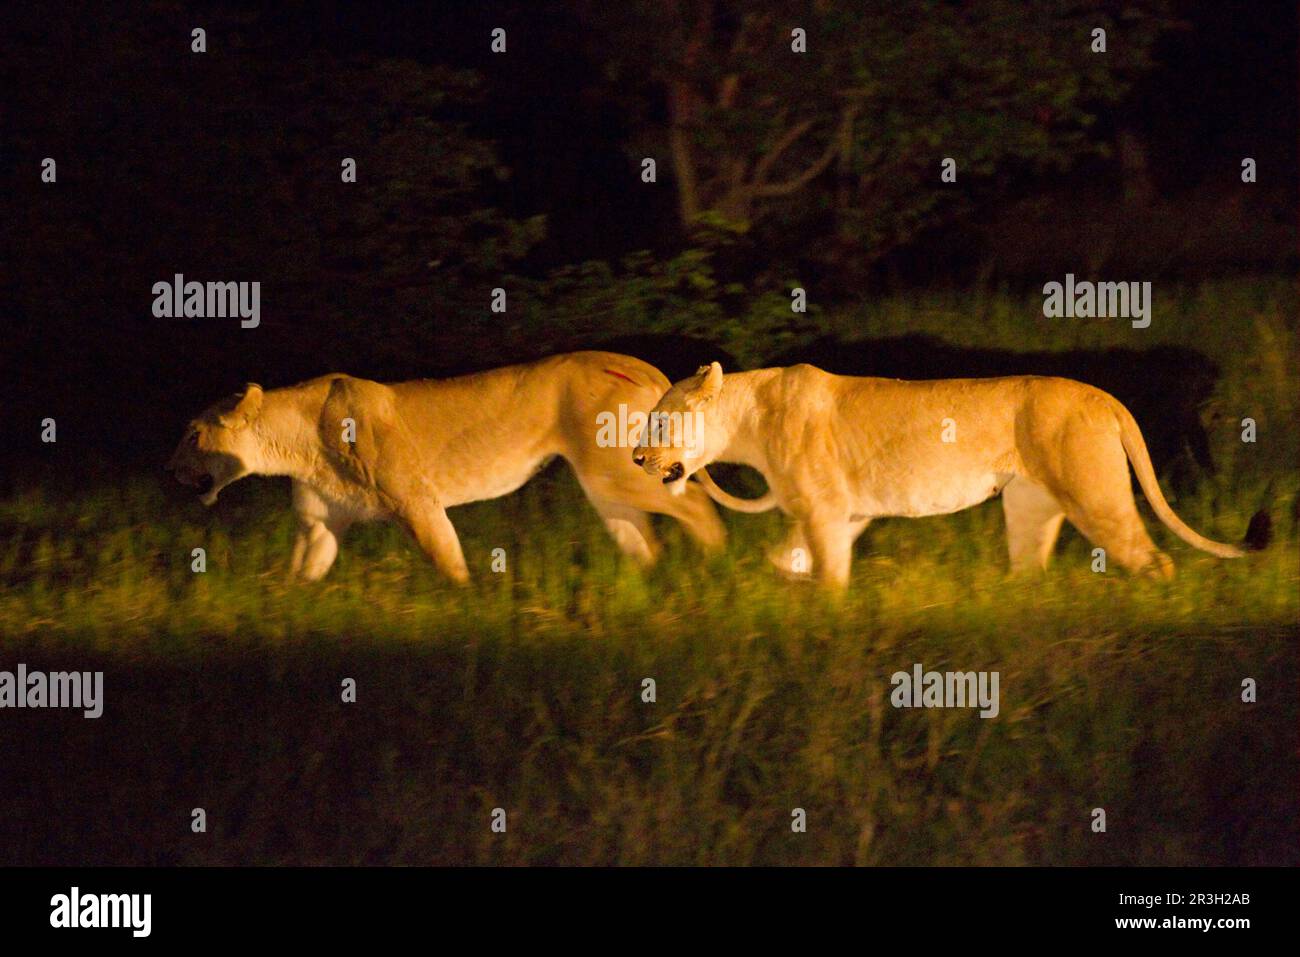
839, 451
424, 446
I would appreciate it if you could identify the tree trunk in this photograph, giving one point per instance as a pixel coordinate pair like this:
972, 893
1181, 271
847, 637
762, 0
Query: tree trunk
680, 104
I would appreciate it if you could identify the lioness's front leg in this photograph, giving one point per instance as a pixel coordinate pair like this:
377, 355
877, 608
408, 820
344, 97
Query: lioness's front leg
794, 556
831, 544
316, 544
315, 547
1033, 517
436, 536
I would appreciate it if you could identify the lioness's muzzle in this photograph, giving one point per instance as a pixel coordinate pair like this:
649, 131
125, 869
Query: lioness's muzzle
202, 482
674, 472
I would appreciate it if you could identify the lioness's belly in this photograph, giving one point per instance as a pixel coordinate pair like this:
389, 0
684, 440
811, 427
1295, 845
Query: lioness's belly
950, 493
500, 476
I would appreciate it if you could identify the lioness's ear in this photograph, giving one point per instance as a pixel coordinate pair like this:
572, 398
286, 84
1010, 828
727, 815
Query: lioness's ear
246, 409
710, 382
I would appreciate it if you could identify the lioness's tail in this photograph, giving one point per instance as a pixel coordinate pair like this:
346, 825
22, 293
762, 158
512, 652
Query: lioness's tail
1136, 448
763, 503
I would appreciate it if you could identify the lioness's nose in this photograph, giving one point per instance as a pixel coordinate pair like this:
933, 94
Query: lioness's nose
638, 458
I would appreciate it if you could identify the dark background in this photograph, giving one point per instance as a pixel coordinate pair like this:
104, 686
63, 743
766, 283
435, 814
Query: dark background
521, 171
224, 166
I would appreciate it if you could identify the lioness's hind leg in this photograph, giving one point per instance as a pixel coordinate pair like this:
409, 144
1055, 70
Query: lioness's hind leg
631, 530
1123, 537
695, 510
1034, 519
1095, 488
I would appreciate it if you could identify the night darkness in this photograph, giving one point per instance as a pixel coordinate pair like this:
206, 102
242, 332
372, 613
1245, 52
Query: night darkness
801, 210
209, 167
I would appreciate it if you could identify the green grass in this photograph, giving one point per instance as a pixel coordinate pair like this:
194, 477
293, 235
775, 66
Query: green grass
523, 691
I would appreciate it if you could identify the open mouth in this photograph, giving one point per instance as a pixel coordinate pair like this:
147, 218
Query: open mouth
201, 482
674, 472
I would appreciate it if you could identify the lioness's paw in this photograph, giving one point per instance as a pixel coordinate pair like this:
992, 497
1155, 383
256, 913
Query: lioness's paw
793, 564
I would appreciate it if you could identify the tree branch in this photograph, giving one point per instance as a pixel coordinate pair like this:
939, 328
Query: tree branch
788, 139
818, 167
727, 91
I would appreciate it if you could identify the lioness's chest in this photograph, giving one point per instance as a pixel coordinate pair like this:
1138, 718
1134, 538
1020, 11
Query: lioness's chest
346, 498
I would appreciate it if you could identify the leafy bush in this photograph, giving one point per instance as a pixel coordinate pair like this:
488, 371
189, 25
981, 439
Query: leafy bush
681, 295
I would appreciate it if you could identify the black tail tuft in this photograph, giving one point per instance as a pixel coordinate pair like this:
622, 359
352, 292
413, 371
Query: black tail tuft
1260, 531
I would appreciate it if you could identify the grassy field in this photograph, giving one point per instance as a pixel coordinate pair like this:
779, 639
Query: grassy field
524, 690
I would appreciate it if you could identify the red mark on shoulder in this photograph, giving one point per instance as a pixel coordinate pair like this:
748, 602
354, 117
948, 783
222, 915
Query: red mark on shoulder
619, 375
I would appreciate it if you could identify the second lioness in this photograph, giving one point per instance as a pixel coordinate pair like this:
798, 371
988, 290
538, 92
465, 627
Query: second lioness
838, 451
363, 450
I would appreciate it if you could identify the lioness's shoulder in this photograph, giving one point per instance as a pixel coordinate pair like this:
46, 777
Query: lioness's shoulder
597, 364
352, 390
320, 388
804, 372
806, 380
346, 403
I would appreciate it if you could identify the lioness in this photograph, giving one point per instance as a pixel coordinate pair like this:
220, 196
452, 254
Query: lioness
362, 450
838, 451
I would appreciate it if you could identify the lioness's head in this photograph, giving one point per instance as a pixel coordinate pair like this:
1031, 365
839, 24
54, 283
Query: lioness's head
219, 446
675, 441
